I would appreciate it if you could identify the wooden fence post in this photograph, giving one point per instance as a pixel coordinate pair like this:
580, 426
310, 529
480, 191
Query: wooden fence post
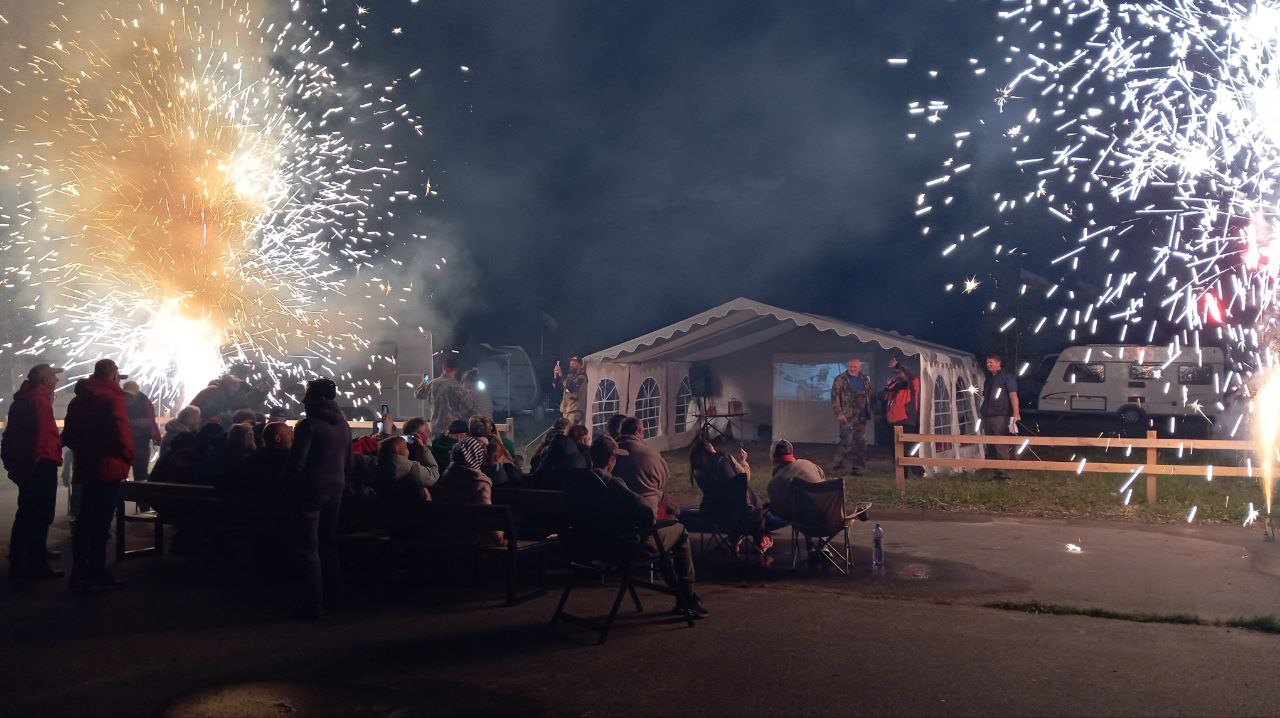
899, 471
1152, 462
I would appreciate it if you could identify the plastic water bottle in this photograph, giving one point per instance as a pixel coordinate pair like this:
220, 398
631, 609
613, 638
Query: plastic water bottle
877, 548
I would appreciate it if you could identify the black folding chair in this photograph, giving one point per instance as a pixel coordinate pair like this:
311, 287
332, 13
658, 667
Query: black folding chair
631, 555
724, 517
818, 517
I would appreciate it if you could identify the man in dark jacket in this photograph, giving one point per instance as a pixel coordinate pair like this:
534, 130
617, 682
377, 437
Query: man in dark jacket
316, 477
644, 469
97, 431
31, 451
603, 510
142, 420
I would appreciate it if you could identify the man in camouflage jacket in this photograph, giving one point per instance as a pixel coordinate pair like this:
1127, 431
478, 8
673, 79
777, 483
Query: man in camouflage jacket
851, 402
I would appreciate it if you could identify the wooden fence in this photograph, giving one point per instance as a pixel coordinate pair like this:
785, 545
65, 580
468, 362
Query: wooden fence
1148, 463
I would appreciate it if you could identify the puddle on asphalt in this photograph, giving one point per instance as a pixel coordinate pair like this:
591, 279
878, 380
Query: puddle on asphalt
914, 572
280, 698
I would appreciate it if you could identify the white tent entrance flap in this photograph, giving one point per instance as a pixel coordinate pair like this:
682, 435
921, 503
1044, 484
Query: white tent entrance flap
802, 394
779, 364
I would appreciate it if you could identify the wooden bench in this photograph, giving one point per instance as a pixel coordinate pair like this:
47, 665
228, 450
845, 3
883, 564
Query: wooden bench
538, 513
190, 505
460, 528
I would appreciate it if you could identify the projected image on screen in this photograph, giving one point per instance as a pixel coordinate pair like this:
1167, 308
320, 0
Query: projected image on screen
804, 382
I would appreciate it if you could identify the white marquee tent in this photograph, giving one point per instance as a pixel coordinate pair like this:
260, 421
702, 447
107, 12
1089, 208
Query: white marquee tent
779, 364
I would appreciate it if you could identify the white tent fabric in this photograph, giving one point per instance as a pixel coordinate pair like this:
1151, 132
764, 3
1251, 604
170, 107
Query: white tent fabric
741, 338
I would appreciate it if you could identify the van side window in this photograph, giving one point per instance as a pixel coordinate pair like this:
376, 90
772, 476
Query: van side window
1078, 373
1144, 372
1189, 374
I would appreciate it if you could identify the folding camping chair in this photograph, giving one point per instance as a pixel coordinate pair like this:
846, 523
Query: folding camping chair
818, 517
723, 517
630, 556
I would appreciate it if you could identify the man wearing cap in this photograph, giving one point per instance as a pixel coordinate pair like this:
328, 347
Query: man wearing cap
851, 401
787, 469
446, 399
603, 508
97, 431
142, 422
31, 451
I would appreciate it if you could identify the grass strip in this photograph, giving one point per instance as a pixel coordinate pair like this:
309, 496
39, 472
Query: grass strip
1262, 624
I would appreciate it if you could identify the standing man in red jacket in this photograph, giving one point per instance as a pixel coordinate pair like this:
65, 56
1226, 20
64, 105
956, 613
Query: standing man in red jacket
97, 431
32, 451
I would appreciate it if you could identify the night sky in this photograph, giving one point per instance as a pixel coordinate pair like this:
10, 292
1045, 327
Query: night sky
623, 166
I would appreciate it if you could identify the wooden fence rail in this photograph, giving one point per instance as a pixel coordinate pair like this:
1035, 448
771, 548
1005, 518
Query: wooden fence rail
906, 445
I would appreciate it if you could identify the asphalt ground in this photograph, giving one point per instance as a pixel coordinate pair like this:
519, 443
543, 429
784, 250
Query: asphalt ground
211, 636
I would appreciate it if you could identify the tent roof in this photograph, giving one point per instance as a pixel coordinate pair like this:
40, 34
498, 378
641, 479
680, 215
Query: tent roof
742, 323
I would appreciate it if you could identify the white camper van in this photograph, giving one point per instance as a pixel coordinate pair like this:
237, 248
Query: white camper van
1133, 382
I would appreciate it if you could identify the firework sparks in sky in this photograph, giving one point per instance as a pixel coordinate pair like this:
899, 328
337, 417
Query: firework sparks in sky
193, 183
1147, 137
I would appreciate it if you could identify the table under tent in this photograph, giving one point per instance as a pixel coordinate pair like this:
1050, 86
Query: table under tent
774, 368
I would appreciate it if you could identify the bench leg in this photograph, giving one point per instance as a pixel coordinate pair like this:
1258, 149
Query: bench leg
512, 575
564, 597
120, 524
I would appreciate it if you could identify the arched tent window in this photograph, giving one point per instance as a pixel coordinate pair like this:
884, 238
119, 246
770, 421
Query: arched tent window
941, 413
649, 407
605, 404
684, 400
964, 407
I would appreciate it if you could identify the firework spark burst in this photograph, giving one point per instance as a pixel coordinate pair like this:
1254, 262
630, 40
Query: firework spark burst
1147, 135
190, 188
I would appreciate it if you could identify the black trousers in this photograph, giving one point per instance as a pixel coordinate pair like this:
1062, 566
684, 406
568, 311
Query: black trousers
93, 526
37, 499
141, 456
314, 538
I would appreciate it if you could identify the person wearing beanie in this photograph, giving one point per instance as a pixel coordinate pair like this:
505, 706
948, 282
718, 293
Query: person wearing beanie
442, 447
97, 431
465, 482
142, 422
315, 478
31, 451
787, 469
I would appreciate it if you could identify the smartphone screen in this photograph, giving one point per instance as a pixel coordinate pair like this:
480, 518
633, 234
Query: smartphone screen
386, 409
410, 439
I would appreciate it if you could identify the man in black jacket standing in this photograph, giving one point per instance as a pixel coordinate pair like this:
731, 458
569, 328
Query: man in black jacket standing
316, 476
1000, 411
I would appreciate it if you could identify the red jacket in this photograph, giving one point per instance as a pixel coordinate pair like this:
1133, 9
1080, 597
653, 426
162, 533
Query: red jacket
30, 434
903, 403
97, 431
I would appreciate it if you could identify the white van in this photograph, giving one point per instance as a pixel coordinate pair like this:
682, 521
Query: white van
1134, 382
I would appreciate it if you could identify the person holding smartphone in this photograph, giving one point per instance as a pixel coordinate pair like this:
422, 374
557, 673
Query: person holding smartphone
447, 399
574, 385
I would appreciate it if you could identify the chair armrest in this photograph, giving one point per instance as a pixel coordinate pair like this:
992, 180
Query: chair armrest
650, 531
